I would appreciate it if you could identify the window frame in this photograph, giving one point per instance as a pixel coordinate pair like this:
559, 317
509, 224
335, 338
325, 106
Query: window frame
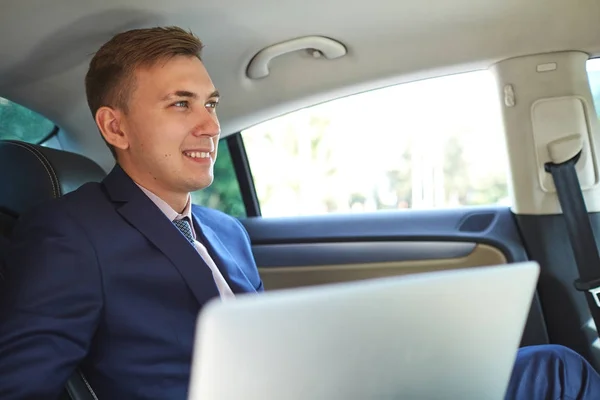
241, 166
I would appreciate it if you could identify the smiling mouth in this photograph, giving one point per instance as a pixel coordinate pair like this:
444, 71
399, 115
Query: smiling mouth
197, 154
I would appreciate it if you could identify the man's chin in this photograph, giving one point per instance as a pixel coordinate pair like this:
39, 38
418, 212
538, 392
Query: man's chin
199, 185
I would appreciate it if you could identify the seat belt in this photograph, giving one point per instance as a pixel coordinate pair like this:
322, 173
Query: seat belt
579, 230
78, 388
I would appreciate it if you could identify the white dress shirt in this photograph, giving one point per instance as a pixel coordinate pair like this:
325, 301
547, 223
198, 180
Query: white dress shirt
224, 289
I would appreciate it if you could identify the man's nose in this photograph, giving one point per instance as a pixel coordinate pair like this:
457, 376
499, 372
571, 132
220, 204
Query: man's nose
207, 124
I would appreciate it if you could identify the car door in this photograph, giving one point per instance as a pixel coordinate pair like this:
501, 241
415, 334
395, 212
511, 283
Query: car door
303, 251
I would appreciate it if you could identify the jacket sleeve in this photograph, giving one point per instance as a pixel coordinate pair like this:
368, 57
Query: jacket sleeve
50, 304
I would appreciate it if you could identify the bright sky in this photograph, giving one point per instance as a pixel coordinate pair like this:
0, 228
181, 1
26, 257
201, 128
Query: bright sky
593, 65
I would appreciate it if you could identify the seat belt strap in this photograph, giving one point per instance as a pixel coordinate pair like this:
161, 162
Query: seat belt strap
580, 232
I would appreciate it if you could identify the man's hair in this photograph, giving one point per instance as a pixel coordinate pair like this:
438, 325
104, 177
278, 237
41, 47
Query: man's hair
110, 78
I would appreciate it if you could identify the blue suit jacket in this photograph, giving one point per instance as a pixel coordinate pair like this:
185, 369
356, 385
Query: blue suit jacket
101, 279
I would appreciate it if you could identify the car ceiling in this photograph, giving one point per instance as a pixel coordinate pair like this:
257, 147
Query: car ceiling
46, 45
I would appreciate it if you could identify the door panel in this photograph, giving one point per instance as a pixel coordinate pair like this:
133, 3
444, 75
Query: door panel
413, 257
302, 251
357, 252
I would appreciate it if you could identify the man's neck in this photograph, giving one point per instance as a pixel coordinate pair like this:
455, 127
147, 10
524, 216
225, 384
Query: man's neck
177, 201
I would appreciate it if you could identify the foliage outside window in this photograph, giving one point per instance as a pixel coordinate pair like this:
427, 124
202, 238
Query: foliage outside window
224, 193
428, 144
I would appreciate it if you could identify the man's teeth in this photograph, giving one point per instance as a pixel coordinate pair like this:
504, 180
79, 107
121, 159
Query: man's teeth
197, 154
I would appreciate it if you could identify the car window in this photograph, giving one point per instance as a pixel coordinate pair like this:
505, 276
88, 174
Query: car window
593, 68
20, 123
224, 193
428, 144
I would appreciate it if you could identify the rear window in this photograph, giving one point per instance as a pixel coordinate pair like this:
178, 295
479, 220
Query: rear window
20, 123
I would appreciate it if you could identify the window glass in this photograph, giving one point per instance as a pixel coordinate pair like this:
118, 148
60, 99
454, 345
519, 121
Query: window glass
593, 68
428, 144
20, 123
224, 194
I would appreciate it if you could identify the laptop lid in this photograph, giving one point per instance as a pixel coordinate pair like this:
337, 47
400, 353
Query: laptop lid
451, 334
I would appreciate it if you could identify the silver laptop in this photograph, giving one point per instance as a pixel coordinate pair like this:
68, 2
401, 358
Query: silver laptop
442, 335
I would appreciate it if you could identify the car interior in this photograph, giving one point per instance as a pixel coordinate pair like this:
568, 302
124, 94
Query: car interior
359, 139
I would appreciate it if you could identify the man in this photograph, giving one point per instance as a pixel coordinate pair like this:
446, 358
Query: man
121, 268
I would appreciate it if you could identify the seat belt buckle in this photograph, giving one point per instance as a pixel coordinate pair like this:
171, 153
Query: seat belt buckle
592, 287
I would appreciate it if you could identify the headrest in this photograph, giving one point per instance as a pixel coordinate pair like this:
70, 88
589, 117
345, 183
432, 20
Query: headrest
31, 174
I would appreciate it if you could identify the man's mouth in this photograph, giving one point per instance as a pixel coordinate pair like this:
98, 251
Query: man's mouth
197, 154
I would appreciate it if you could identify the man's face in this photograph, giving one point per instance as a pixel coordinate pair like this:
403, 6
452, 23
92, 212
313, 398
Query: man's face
172, 126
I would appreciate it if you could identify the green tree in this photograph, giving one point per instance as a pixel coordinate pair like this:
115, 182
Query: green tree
460, 182
301, 144
224, 194
400, 181
456, 172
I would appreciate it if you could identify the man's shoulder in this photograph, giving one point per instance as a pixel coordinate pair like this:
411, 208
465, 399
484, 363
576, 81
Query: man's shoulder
212, 216
218, 220
81, 201
85, 192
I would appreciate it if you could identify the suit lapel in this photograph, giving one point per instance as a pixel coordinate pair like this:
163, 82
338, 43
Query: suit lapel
147, 218
233, 274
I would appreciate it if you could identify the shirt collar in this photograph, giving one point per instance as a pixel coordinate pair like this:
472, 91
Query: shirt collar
167, 209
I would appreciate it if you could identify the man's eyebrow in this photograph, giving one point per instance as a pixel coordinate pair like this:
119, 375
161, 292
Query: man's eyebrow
180, 93
188, 94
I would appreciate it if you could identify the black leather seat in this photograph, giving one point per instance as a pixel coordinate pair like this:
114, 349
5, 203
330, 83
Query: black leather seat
30, 175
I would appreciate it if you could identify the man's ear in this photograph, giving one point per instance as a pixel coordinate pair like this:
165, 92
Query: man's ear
111, 125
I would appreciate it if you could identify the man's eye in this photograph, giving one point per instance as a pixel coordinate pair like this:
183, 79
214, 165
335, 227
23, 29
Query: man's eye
181, 104
212, 104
